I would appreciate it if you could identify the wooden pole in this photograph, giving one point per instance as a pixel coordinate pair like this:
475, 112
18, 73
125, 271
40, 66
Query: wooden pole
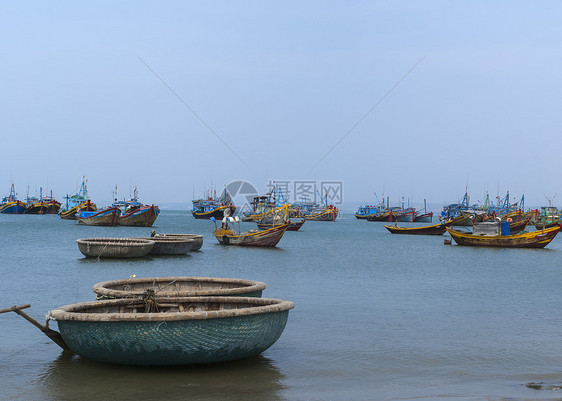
52, 334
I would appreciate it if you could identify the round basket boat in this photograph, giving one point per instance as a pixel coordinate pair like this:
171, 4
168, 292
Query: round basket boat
184, 331
178, 287
198, 239
170, 245
114, 247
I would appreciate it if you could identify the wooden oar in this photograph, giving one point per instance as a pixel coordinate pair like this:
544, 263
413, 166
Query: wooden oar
52, 334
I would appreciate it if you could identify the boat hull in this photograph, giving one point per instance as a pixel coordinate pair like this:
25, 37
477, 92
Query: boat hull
197, 239
516, 227
37, 208
106, 217
424, 218
533, 239
70, 214
17, 207
437, 229
327, 215
218, 213
143, 217
291, 226
542, 225
114, 248
189, 336
386, 216
170, 246
407, 217
363, 216
263, 238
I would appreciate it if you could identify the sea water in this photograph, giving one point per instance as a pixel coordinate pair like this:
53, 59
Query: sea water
377, 316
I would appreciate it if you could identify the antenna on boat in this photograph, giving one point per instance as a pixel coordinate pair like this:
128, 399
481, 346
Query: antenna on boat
549, 199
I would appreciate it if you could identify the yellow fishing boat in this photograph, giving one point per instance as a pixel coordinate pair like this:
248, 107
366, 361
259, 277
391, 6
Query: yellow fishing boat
533, 239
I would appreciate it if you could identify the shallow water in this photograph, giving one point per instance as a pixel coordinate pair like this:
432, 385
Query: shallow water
377, 316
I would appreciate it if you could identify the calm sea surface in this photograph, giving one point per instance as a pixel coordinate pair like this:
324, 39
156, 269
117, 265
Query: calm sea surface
377, 316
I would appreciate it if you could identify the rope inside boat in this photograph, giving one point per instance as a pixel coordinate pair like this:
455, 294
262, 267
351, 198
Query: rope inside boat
149, 300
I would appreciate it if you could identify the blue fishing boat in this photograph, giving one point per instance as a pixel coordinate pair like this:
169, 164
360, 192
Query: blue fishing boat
11, 205
213, 206
77, 202
363, 212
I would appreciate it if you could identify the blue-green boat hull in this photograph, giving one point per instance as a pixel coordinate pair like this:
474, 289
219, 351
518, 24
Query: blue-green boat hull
186, 342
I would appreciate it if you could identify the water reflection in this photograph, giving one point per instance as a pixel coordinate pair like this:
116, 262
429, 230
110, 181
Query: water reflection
70, 377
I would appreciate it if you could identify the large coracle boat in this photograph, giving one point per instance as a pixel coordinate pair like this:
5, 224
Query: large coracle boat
114, 247
170, 245
166, 287
175, 331
197, 239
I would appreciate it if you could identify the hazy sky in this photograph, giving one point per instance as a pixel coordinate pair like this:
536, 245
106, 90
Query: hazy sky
281, 83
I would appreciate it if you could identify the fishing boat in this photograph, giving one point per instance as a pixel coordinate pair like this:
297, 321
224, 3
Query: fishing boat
461, 220
516, 227
436, 229
165, 287
549, 216
327, 213
364, 212
114, 247
407, 215
105, 217
262, 238
386, 215
261, 206
197, 238
11, 205
533, 239
425, 217
133, 213
460, 212
77, 202
42, 205
213, 206
145, 216
127, 205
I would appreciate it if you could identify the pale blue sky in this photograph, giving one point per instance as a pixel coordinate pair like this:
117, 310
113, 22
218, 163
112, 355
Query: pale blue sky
281, 83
